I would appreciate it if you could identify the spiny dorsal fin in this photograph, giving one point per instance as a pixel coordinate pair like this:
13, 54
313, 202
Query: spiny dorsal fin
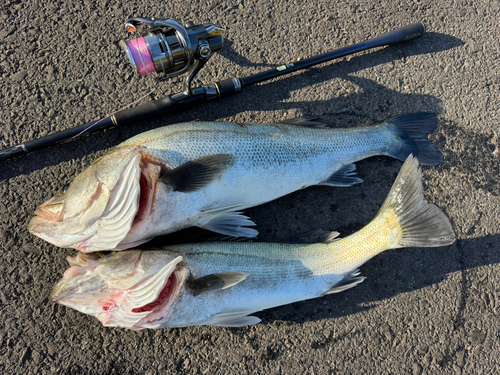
309, 122
198, 173
216, 281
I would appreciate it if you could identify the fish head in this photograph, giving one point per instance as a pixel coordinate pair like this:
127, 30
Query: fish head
98, 208
130, 289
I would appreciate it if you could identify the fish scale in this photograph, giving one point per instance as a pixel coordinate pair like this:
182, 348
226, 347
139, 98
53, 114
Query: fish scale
264, 145
205, 173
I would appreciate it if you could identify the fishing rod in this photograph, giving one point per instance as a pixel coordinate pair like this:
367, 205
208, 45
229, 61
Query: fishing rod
171, 49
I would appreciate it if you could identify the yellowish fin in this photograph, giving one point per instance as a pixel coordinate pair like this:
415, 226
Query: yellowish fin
405, 219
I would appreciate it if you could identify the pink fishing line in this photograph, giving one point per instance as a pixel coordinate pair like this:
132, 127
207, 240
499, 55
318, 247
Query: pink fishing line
139, 50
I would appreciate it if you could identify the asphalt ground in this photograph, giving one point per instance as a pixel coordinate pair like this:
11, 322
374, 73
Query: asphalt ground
420, 311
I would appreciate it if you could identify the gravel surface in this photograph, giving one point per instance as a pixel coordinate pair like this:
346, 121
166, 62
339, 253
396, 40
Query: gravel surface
420, 311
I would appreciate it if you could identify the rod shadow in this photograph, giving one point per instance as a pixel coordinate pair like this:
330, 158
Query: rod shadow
230, 53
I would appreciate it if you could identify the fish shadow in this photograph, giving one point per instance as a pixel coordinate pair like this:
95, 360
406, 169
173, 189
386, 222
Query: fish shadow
372, 102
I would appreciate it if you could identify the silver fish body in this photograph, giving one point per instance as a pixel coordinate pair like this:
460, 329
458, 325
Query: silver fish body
223, 283
203, 174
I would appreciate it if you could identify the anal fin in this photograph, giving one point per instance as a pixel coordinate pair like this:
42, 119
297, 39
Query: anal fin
348, 282
343, 177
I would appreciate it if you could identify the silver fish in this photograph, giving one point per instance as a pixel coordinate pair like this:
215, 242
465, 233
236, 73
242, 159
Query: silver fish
204, 173
223, 283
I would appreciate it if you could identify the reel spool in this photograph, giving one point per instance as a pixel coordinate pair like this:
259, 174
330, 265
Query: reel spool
171, 49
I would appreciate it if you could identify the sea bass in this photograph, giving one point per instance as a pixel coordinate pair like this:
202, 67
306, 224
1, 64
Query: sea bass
204, 173
222, 283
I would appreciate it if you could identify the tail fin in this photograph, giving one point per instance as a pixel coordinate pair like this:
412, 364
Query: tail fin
411, 131
421, 224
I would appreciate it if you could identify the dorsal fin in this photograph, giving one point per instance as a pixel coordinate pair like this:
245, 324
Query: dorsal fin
315, 236
308, 122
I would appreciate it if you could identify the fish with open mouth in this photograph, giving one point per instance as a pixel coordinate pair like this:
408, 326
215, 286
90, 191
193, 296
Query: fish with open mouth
204, 173
223, 283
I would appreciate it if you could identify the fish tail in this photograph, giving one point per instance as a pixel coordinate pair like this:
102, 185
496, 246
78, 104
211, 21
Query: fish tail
414, 222
411, 131
404, 220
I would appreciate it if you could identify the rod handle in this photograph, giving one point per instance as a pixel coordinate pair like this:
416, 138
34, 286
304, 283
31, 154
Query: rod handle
11, 152
402, 34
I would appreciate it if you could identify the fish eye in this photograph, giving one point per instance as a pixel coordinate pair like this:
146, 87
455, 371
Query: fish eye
65, 188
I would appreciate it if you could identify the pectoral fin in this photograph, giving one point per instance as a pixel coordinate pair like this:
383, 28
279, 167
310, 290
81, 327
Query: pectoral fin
216, 281
196, 174
343, 177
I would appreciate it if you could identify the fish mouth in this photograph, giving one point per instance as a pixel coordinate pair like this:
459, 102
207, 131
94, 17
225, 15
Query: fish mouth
50, 211
122, 208
116, 290
47, 214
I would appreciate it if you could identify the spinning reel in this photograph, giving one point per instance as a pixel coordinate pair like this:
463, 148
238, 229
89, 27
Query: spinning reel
171, 49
